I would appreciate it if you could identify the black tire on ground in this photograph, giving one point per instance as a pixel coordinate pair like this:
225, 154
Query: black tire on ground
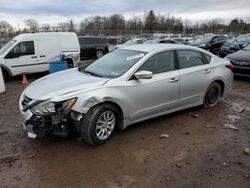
5, 75
99, 54
89, 130
212, 95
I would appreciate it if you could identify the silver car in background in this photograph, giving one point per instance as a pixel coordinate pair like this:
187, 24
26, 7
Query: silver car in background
128, 85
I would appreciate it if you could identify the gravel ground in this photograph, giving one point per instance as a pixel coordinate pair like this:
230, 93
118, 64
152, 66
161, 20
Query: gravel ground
197, 149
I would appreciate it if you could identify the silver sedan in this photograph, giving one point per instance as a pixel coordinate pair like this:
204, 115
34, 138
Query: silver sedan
128, 85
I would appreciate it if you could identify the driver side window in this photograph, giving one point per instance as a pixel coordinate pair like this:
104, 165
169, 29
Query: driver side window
159, 63
21, 49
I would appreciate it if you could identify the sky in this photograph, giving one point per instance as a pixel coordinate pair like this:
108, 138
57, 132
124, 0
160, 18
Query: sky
55, 11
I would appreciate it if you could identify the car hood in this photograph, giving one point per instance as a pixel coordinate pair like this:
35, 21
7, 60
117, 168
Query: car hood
241, 55
61, 83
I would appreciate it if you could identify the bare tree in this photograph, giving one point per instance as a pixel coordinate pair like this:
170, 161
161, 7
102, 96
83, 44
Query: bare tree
5, 29
45, 27
32, 24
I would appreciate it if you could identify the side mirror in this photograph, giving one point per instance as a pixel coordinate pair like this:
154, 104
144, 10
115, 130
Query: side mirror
143, 75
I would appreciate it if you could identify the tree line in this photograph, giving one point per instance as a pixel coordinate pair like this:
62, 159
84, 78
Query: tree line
116, 24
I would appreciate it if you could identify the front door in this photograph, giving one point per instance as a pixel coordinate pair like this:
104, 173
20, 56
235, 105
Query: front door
149, 97
22, 59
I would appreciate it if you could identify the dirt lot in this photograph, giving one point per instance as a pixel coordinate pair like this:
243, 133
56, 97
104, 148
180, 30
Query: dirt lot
199, 151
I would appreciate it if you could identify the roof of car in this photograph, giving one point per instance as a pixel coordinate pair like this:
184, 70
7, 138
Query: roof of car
152, 47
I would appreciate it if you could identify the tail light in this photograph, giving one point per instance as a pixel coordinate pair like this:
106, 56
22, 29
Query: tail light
230, 67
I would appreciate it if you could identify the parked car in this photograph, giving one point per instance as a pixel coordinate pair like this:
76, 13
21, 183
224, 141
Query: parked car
114, 40
93, 47
211, 43
241, 61
133, 41
128, 85
157, 41
244, 37
231, 46
32, 52
180, 40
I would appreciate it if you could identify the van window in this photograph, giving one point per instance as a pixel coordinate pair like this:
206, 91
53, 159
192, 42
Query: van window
90, 41
22, 49
100, 41
82, 41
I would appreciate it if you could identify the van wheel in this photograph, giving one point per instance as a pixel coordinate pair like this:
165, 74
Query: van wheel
99, 54
5, 75
99, 124
70, 63
212, 95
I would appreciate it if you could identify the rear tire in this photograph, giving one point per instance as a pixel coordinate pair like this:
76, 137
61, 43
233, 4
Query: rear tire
212, 95
99, 124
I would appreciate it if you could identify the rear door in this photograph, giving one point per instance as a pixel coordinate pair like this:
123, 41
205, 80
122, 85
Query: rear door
148, 97
195, 75
22, 58
47, 51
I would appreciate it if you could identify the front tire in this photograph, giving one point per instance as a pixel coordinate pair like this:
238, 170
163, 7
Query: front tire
99, 124
212, 95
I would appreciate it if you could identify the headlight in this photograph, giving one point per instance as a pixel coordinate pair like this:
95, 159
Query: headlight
48, 107
202, 45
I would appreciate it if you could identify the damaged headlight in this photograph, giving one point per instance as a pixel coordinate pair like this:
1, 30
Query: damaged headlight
202, 45
48, 107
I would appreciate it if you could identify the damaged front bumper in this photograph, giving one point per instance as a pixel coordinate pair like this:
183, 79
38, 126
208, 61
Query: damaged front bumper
59, 124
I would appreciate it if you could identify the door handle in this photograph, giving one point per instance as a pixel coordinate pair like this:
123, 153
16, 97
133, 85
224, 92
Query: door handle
207, 71
33, 56
42, 55
172, 80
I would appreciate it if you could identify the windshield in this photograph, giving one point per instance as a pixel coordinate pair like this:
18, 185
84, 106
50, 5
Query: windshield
247, 48
7, 46
203, 40
114, 64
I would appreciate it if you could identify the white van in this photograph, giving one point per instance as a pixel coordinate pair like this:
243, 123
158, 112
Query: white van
32, 52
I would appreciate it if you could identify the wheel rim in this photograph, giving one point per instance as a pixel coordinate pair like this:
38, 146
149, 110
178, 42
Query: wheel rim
105, 125
213, 95
99, 54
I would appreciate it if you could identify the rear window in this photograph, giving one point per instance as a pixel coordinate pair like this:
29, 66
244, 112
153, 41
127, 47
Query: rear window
90, 40
190, 58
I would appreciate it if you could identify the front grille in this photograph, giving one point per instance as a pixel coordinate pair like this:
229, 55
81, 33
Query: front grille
242, 70
240, 63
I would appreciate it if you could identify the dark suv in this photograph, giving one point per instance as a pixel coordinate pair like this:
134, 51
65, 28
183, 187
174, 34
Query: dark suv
93, 47
211, 43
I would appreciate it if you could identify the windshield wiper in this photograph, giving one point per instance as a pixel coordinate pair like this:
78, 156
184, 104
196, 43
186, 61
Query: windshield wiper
92, 73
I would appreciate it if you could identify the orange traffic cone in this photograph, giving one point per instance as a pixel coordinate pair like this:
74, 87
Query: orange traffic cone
24, 80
